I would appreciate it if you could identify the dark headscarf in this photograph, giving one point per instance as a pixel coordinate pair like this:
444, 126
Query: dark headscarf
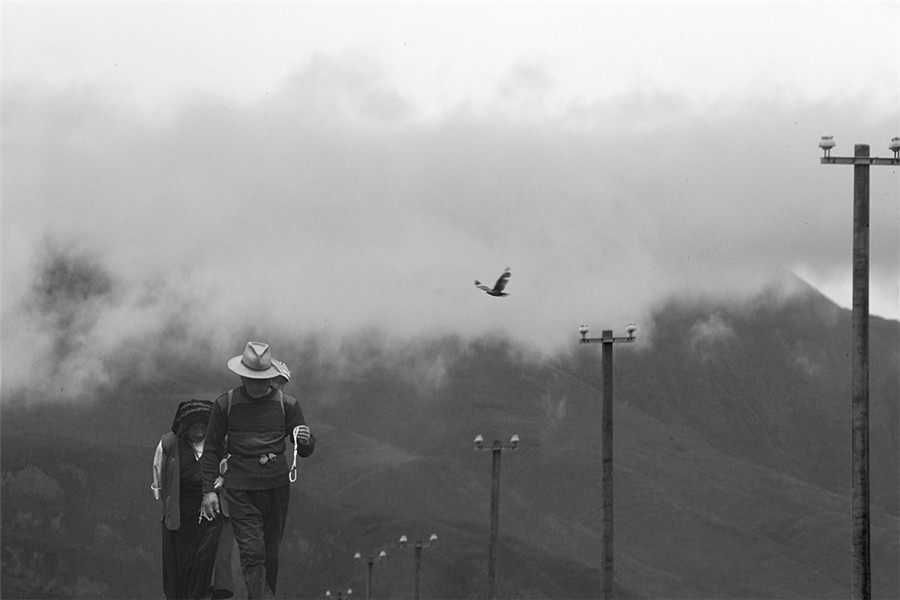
188, 413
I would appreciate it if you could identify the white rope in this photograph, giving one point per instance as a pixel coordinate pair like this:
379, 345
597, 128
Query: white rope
293, 474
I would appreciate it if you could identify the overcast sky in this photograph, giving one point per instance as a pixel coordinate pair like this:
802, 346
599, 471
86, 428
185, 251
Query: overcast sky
330, 167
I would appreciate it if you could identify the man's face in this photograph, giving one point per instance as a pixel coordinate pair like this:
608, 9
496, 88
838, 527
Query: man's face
256, 388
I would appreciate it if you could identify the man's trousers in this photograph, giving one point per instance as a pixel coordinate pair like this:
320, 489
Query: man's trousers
257, 519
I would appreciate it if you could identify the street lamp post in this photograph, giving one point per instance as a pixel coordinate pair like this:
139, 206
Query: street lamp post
371, 559
418, 546
606, 453
496, 449
860, 575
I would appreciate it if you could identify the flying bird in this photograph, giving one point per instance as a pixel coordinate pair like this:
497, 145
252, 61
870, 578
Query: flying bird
498, 288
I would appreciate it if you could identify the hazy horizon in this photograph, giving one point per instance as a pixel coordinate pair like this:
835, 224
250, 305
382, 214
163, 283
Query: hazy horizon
220, 170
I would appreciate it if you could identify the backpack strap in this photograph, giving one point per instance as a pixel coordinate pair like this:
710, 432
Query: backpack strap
223, 464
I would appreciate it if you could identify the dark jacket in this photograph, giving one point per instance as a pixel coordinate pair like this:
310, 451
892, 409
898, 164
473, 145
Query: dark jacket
254, 434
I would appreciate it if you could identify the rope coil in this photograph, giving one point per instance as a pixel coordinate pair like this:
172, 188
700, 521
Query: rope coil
293, 474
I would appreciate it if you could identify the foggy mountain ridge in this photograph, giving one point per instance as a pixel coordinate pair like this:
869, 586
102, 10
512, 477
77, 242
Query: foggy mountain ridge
732, 464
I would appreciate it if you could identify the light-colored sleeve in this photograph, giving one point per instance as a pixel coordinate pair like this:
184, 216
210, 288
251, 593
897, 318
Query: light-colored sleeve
157, 467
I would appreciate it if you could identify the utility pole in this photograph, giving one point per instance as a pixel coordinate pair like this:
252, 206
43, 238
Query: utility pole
496, 449
418, 546
606, 453
371, 559
861, 563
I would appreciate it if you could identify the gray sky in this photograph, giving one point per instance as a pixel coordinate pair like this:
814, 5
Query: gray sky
331, 167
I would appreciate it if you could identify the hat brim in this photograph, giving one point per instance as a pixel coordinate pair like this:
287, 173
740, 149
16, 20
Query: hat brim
238, 367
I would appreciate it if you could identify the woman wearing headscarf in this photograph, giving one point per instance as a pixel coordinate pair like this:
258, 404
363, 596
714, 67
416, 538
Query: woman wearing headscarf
190, 543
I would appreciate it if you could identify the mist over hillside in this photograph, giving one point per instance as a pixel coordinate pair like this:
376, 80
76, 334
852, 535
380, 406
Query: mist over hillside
179, 178
732, 468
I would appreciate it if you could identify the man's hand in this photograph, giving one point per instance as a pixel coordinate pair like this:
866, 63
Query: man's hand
209, 508
301, 432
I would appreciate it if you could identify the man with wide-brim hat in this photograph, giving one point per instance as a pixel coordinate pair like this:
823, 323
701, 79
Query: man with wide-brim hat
246, 443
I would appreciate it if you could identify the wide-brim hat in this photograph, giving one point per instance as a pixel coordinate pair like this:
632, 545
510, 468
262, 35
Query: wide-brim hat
255, 362
189, 412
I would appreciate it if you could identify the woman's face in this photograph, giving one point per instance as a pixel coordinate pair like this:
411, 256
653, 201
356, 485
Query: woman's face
197, 431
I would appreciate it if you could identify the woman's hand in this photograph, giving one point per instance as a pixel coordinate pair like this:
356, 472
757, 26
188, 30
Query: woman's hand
209, 508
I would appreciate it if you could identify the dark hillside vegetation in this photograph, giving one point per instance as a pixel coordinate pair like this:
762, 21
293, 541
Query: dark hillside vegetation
731, 463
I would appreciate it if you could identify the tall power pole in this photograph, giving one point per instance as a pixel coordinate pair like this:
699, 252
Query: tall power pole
606, 454
861, 562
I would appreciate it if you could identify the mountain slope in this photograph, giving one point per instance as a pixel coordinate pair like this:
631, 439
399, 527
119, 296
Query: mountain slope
731, 466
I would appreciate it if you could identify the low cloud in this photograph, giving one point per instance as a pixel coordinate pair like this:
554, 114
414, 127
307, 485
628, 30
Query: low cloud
707, 336
331, 208
32, 481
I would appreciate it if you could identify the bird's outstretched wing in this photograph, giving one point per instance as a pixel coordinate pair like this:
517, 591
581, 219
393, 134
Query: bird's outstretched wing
502, 281
481, 286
